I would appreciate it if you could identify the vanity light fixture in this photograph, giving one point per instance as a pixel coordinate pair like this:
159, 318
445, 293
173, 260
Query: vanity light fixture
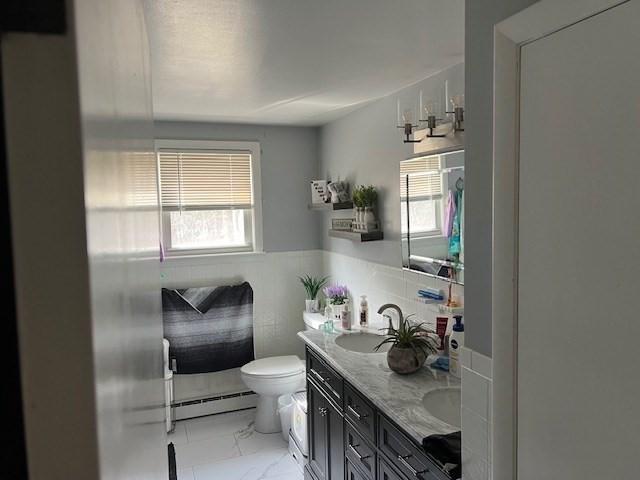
430, 119
406, 124
457, 101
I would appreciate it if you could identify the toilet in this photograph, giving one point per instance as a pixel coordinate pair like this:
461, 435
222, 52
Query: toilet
270, 378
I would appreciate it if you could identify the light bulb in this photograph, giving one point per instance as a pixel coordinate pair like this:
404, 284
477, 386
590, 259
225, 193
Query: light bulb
457, 101
407, 116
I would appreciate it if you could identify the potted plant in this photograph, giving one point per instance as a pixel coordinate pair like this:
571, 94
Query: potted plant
337, 296
369, 196
312, 286
359, 204
410, 346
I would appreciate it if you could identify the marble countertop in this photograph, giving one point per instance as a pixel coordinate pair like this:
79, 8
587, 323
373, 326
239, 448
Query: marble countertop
398, 397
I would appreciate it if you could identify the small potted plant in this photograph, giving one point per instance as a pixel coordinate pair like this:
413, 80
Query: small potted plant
369, 196
410, 346
359, 204
337, 296
312, 286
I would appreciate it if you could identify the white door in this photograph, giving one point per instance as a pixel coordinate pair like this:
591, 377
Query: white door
578, 333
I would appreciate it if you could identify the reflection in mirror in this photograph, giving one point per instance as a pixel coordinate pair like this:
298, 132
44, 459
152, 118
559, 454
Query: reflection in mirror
432, 215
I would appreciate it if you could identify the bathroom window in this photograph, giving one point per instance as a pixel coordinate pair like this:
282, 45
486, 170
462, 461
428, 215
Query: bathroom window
209, 197
421, 186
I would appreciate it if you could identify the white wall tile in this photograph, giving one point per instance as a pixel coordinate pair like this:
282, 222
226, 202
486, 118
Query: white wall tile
475, 393
481, 364
278, 305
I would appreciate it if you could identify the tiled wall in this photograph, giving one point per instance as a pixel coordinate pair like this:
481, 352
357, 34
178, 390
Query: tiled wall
383, 284
278, 305
476, 416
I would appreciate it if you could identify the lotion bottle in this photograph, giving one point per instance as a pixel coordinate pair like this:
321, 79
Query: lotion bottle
364, 311
346, 317
456, 342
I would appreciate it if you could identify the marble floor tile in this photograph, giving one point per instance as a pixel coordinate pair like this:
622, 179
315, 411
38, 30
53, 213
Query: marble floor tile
249, 441
206, 451
227, 447
185, 474
258, 466
179, 434
213, 425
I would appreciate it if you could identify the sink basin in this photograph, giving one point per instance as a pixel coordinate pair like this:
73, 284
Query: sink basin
444, 404
361, 342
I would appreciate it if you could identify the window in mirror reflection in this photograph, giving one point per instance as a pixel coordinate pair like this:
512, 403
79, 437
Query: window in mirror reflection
421, 193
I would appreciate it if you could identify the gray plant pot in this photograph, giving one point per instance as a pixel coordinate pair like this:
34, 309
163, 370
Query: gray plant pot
405, 360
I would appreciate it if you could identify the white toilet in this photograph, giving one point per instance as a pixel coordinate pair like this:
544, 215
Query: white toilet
270, 378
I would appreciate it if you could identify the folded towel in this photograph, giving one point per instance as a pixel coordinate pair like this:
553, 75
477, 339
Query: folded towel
441, 363
447, 450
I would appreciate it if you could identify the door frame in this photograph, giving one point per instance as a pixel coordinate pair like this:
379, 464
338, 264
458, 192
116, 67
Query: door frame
539, 20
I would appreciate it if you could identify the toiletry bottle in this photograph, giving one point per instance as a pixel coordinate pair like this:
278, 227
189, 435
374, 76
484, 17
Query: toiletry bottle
456, 342
328, 323
346, 317
364, 311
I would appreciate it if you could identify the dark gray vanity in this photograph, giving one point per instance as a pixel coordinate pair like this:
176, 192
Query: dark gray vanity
353, 434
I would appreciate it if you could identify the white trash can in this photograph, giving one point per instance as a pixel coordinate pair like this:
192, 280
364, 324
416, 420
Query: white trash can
285, 411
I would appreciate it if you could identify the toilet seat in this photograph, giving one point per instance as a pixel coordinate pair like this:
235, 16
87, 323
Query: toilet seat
274, 367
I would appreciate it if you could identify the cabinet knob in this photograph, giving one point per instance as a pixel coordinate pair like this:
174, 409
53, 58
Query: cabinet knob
323, 411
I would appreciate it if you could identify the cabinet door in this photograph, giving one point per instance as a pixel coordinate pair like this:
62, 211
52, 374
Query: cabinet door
335, 438
318, 428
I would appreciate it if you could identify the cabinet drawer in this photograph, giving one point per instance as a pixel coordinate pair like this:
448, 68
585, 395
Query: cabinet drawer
359, 452
404, 455
386, 472
325, 377
360, 413
353, 473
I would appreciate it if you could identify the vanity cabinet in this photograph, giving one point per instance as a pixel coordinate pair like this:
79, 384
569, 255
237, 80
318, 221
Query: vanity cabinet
349, 439
325, 421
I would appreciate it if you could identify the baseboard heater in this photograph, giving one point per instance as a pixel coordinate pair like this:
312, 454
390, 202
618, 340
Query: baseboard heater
213, 405
212, 399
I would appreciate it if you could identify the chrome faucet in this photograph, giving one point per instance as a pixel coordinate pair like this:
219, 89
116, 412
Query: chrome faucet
394, 307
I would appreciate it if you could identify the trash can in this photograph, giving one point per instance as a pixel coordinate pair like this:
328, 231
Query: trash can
285, 411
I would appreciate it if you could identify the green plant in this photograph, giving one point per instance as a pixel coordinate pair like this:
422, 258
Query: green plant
312, 285
357, 197
368, 195
409, 335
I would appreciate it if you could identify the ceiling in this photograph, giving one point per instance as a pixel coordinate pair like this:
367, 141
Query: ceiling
295, 62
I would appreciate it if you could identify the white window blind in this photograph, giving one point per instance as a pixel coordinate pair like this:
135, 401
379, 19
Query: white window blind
193, 179
425, 178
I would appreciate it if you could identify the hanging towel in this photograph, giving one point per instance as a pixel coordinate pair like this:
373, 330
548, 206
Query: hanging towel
462, 227
210, 328
449, 214
454, 237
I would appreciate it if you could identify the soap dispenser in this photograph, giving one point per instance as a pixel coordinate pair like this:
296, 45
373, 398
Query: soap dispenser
456, 342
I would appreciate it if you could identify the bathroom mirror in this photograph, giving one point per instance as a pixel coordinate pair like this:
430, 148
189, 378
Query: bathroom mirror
432, 214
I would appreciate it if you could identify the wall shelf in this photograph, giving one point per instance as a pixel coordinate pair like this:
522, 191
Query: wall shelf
356, 236
331, 206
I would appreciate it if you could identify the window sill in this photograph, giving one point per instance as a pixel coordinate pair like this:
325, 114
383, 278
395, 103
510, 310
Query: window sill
212, 257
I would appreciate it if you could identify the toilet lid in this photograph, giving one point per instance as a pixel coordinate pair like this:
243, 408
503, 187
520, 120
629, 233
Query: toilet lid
274, 366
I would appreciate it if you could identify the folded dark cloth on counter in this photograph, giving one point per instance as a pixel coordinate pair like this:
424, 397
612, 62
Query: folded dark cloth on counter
446, 449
